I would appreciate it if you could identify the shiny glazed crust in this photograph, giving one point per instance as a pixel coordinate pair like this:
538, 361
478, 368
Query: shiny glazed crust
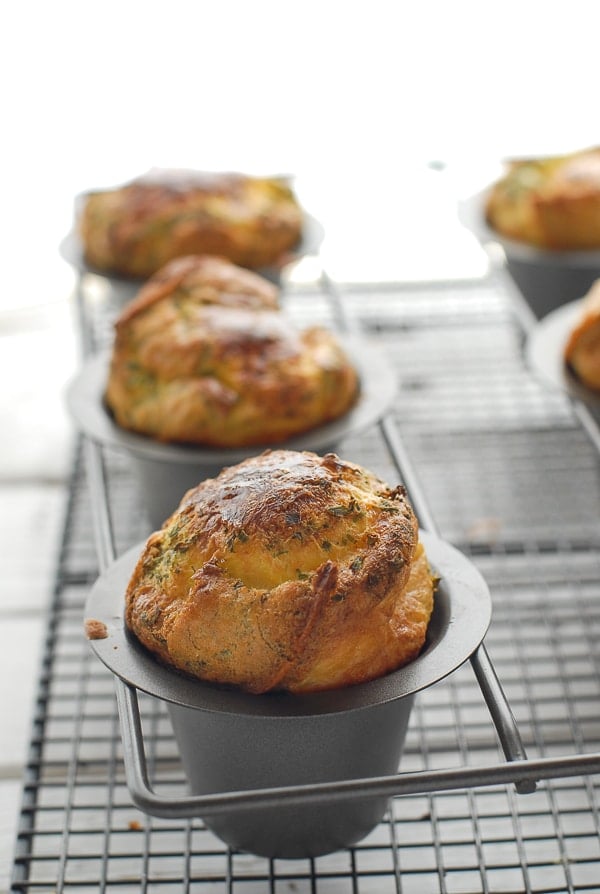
551, 203
288, 571
135, 229
201, 357
582, 351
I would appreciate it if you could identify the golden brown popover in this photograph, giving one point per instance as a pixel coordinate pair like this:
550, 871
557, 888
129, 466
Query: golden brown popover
135, 229
551, 203
582, 350
287, 571
202, 358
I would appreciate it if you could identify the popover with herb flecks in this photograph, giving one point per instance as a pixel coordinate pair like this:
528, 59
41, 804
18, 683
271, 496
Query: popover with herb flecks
550, 203
135, 229
288, 571
202, 357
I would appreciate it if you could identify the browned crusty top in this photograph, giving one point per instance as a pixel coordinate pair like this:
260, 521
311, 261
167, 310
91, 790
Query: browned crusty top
201, 357
551, 202
134, 229
288, 571
582, 348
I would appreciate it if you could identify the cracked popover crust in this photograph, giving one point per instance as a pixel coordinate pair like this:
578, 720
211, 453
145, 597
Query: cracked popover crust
288, 571
582, 350
203, 356
550, 203
135, 229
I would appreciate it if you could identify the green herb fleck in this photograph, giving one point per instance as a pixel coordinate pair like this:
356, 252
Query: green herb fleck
339, 510
388, 507
352, 507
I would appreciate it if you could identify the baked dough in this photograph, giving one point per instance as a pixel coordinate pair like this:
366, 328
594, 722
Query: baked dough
201, 357
551, 203
288, 571
135, 229
582, 350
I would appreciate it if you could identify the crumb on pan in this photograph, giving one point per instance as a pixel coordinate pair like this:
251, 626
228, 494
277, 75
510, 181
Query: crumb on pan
95, 629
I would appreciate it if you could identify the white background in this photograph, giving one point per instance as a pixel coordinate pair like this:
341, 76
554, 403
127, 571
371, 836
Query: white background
352, 97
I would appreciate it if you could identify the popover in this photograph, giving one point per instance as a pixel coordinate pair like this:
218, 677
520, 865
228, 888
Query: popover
135, 229
201, 357
550, 203
582, 350
288, 571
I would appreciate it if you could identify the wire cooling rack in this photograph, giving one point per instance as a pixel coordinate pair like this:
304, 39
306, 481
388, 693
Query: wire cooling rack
506, 470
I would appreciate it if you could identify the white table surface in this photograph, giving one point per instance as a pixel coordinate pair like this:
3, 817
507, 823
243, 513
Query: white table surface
37, 355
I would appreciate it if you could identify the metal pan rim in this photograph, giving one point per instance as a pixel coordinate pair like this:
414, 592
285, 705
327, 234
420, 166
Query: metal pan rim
460, 620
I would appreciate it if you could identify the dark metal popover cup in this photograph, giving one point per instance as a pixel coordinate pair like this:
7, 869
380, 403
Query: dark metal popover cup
231, 741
